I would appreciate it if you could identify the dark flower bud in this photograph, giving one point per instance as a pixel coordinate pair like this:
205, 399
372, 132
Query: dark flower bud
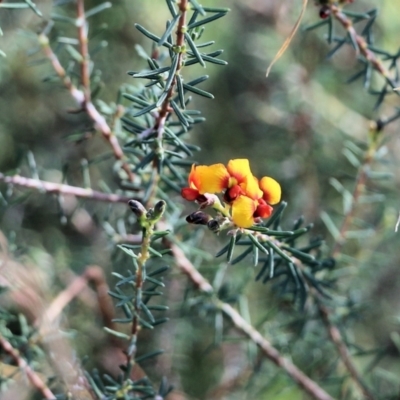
213, 225
137, 208
198, 218
159, 209
324, 12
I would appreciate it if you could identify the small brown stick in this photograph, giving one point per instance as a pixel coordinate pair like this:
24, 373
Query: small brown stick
165, 110
343, 351
83, 47
362, 45
84, 102
362, 177
307, 384
94, 274
59, 188
33, 377
358, 190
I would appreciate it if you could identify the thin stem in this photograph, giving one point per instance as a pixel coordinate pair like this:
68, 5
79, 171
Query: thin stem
165, 110
94, 274
358, 190
83, 47
81, 99
343, 351
58, 188
180, 41
362, 45
144, 255
307, 384
33, 378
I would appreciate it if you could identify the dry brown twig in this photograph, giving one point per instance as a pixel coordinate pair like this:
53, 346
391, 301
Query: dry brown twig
307, 384
59, 188
82, 97
363, 48
32, 376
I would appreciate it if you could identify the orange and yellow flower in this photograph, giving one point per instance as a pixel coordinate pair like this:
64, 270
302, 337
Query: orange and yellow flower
247, 197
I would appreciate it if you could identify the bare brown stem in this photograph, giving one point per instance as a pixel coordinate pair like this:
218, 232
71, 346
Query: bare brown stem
166, 105
83, 101
357, 192
32, 376
343, 351
83, 48
369, 55
94, 274
59, 188
307, 384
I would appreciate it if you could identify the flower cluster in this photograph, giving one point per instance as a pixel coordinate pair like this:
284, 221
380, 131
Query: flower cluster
247, 199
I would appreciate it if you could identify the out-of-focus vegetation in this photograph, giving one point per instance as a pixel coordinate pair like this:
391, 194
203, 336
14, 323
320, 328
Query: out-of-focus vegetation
299, 126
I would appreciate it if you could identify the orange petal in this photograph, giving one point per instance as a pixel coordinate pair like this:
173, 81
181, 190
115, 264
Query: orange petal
242, 211
189, 194
251, 187
263, 210
239, 168
211, 179
193, 178
271, 189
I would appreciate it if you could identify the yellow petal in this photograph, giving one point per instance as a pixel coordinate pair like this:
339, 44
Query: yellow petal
211, 179
239, 168
271, 189
242, 211
251, 188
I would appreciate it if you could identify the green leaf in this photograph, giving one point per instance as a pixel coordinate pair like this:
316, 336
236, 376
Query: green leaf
144, 110
181, 93
171, 8
151, 74
231, 247
170, 183
330, 225
95, 10
183, 120
172, 72
151, 36
279, 251
275, 218
198, 91
197, 7
258, 244
158, 271
299, 254
242, 256
127, 251
117, 334
168, 31
207, 20
149, 355
193, 47
149, 315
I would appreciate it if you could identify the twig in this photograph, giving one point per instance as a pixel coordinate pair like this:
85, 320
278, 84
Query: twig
337, 339
144, 255
59, 188
362, 45
357, 191
165, 110
307, 384
34, 379
83, 47
84, 102
95, 274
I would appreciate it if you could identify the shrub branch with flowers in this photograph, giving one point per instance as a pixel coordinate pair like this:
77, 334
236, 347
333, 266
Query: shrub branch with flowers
246, 200
179, 322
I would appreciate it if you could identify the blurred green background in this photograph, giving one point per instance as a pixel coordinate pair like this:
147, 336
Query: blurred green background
293, 126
